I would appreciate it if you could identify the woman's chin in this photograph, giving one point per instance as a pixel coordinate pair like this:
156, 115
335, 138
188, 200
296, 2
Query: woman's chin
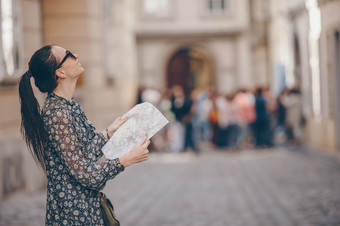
81, 70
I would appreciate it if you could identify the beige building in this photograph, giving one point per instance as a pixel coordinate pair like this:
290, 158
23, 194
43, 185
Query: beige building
124, 44
197, 43
304, 36
330, 75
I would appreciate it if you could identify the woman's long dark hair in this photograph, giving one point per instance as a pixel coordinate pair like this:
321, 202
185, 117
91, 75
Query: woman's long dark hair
42, 68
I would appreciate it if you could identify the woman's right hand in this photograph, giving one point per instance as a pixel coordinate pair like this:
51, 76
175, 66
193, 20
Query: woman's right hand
139, 153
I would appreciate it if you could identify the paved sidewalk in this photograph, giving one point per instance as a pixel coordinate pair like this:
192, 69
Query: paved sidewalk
215, 188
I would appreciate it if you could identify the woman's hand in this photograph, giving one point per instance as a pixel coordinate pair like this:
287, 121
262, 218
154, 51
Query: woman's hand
139, 153
116, 124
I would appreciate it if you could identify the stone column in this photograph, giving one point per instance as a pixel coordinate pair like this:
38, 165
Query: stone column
243, 54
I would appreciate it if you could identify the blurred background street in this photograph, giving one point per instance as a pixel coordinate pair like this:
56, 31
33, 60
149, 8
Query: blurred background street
281, 187
250, 89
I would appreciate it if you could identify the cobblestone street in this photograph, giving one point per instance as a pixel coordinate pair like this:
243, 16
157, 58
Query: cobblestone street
255, 188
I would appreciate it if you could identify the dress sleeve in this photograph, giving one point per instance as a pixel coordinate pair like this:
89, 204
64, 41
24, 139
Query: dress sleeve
95, 143
64, 140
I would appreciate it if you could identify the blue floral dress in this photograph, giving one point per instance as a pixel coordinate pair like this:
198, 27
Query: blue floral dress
73, 175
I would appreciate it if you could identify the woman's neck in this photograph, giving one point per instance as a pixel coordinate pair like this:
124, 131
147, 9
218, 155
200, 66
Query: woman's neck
65, 90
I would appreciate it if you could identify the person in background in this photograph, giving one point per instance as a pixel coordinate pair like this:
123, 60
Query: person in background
63, 141
245, 112
233, 129
261, 124
214, 119
293, 105
271, 106
203, 106
162, 139
280, 115
223, 121
181, 106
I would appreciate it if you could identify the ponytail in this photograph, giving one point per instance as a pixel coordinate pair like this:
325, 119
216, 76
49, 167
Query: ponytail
32, 127
42, 68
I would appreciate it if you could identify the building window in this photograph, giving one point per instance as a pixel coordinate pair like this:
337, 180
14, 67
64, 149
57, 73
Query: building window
10, 55
216, 6
157, 8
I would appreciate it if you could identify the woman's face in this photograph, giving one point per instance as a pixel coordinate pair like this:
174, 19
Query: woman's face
71, 67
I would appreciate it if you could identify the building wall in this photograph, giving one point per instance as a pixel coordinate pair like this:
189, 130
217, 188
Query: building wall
79, 26
154, 55
18, 172
259, 14
289, 19
124, 53
329, 123
191, 17
224, 38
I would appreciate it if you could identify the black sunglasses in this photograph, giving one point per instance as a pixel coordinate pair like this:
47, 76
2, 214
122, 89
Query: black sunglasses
68, 54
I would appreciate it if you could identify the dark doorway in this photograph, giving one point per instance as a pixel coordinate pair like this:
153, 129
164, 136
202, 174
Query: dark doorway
189, 68
178, 70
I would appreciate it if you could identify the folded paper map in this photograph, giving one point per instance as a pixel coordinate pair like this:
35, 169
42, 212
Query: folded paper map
144, 121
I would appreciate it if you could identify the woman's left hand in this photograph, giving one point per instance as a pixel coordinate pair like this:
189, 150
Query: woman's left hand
116, 124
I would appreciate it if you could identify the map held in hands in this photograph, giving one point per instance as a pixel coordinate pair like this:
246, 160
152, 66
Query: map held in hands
144, 121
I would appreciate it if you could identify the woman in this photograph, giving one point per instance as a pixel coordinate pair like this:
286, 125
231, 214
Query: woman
65, 143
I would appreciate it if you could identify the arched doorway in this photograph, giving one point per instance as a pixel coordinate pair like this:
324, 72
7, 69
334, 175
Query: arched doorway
190, 68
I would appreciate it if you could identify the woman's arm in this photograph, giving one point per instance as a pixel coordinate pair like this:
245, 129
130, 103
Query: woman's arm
139, 153
65, 141
109, 131
96, 140
90, 174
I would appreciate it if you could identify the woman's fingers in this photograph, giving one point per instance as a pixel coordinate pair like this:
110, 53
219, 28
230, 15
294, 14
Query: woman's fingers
142, 142
146, 143
123, 119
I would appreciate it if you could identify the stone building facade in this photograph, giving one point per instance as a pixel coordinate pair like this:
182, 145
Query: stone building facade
304, 47
214, 35
330, 77
21, 35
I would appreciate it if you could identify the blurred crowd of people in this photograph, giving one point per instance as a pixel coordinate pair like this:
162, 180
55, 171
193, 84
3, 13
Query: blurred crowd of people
244, 119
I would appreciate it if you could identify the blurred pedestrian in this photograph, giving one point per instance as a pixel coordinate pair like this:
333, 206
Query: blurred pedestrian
261, 124
245, 112
181, 107
152, 96
65, 144
271, 106
139, 95
280, 114
195, 121
214, 118
233, 129
293, 105
223, 121
162, 139
203, 106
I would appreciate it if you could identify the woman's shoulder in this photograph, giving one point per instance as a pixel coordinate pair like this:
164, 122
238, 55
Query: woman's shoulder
51, 107
53, 103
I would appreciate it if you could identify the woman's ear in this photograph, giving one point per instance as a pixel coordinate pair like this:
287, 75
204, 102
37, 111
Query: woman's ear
60, 73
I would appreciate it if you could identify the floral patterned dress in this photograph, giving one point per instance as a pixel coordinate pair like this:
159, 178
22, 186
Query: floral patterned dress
73, 175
